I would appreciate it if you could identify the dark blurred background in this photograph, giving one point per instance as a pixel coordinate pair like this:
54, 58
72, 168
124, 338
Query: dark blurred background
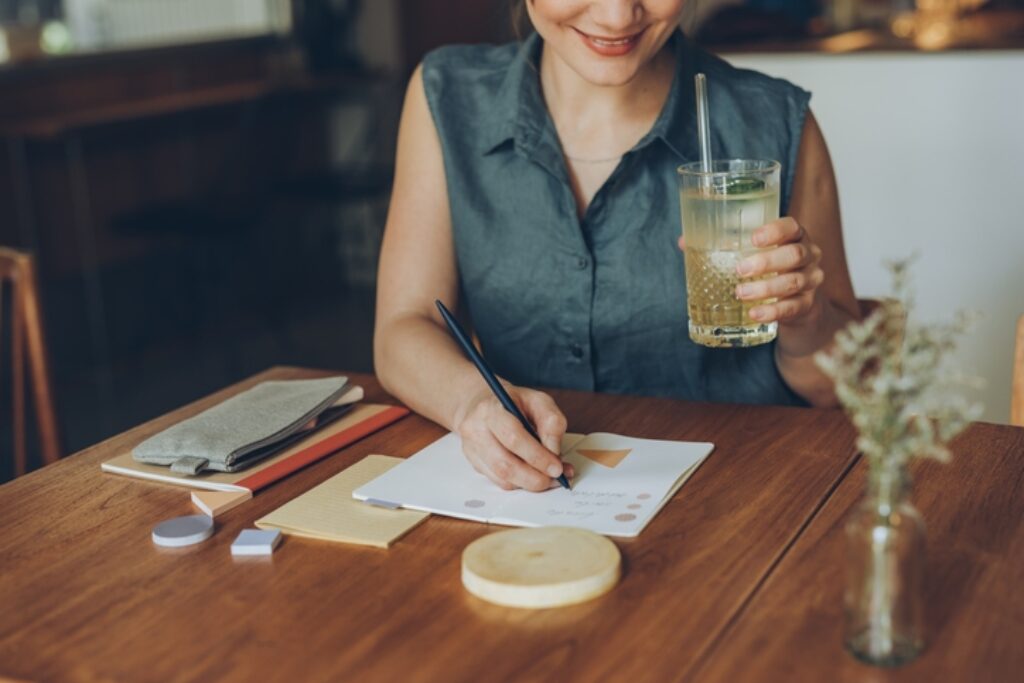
204, 182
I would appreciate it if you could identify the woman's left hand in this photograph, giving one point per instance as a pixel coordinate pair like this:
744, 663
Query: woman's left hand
792, 258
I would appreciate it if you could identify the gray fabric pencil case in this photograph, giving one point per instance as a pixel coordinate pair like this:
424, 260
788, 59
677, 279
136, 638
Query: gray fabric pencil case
246, 428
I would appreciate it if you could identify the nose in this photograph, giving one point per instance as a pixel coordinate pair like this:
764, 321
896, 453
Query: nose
617, 16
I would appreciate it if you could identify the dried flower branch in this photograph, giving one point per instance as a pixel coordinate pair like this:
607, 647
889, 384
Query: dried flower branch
894, 382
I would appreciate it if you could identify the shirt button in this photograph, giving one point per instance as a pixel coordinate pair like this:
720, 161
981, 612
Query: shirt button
582, 262
577, 351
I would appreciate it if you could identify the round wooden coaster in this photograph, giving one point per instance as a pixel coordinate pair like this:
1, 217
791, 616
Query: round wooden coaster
537, 568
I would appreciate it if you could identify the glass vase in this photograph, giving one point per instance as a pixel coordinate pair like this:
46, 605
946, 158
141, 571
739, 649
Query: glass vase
884, 598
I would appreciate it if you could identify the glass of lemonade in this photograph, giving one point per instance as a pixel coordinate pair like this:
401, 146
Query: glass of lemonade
721, 209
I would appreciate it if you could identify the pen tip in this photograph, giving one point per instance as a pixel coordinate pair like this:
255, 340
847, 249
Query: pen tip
564, 481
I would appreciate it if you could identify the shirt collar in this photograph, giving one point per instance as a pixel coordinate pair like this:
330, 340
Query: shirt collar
676, 125
520, 113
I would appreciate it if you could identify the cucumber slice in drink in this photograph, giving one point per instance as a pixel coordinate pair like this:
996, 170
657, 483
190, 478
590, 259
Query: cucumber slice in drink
742, 186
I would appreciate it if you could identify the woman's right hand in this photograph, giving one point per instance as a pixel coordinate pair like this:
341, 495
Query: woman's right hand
501, 449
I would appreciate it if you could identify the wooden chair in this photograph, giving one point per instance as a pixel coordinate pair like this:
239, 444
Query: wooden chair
1017, 395
17, 273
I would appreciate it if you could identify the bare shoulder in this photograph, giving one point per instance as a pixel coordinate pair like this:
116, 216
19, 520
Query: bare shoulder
416, 111
419, 166
815, 205
417, 255
813, 160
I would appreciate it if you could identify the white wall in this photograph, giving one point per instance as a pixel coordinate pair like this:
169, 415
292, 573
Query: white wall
929, 152
96, 24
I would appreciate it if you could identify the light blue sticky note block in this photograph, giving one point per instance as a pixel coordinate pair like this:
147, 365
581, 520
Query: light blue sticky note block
183, 531
256, 542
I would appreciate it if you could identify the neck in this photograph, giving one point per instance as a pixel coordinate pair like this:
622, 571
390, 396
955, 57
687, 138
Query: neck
566, 91
584, 112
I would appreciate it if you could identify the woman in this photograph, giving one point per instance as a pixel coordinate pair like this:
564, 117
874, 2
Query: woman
535, 186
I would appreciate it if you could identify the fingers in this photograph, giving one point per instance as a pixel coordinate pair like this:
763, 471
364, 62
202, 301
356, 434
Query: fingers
496, 462
783, 259
682, 242
782, 285
782, 231
514, 437
792, 259
542, 412
500, 448
480, 465
786, 309
549, 422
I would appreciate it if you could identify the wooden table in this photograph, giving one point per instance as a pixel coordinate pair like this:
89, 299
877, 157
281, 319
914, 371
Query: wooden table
974, 511
739, 576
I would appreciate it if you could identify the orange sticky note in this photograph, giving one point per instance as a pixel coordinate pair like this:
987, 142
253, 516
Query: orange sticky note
606, 458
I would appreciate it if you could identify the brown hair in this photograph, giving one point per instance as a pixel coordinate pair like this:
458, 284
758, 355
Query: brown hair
520, 19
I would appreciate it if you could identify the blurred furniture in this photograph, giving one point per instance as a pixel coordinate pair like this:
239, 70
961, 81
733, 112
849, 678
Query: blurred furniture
427, 25
326, 29
17, 273
119, 160
1017, 397
995, 28
49, 110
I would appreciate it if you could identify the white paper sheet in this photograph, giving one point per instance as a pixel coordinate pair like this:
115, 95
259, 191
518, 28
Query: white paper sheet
621, 483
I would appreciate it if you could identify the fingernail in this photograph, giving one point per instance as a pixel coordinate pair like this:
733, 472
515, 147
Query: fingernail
757, 239
756, 313
743, 291
554, 471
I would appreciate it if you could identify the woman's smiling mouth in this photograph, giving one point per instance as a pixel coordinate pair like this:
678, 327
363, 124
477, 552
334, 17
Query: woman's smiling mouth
608, 46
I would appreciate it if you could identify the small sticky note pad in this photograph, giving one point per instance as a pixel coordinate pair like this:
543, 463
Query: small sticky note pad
329, 512
256, 542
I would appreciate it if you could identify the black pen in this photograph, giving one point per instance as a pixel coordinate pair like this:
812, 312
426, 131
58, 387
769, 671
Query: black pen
492, 380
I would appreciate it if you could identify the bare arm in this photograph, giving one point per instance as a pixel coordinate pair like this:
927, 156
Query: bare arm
414, 357
417, 265
815, 205
812, 287
815, 293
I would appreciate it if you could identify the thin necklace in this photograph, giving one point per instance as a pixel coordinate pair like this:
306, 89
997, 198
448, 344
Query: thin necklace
580, 160
586, 160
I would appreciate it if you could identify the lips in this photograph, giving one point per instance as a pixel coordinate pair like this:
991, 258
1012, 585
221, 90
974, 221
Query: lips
610, 46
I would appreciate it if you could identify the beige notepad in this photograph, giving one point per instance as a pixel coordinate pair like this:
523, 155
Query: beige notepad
328, 512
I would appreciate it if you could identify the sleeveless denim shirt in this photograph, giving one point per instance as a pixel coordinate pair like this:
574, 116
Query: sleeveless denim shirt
597, 303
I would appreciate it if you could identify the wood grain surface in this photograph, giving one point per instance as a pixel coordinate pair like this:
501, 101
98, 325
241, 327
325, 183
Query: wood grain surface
974, 607
85, 594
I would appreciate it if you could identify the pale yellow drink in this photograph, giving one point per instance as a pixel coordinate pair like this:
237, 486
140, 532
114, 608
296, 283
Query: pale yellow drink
720, 212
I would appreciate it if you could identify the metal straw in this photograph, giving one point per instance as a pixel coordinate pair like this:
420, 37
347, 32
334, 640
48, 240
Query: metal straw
703, 127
